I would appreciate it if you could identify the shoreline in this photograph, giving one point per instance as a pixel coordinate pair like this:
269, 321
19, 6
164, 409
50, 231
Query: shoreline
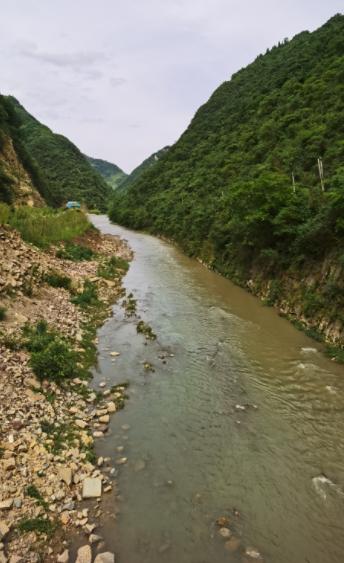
48, 467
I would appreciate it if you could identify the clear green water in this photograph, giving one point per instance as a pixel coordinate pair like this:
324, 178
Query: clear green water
228, 350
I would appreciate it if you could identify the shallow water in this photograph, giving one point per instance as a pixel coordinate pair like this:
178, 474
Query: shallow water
282, 467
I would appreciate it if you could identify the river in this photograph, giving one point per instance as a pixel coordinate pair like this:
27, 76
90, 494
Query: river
276, 472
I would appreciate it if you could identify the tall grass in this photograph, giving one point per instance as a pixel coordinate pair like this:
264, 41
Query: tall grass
42, 226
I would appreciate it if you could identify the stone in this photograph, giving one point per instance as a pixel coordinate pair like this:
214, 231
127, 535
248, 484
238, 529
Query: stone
4, 529
89, 528
120, 448
6, 504
84, 554
65, 518
111, 407
251, 554
64, 557
222, 522
140, 464
98, 434
66, 475
3, 558
225, 533
107, 393
123, 460
83, 521
17, 502
100, 461
17, 424
103, 384
81, 423
108, 489
31, 382
92, 488
106, 557
105, 419
69, 506
93, 538
103, 428
114, 353
16, 559
232, 544
125, 426
101, 412
9, 463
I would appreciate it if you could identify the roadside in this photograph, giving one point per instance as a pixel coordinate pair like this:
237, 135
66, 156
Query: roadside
51, 304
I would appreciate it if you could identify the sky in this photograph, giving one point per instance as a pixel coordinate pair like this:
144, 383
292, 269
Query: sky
122, 79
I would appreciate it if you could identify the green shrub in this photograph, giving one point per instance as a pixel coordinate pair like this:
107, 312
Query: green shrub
56, 280
109, 268
2, 313
332, 352
4, 213
88, 297
55, 362
75, 252
36, 525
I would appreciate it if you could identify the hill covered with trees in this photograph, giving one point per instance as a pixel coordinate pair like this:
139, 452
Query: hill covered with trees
111, 173
224, 191
65, 171
136, 173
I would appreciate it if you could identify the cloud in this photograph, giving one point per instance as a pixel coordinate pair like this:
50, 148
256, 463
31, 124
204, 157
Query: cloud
117, 81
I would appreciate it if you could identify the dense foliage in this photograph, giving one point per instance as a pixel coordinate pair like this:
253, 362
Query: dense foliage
224, 191
111, 173
10, 127
136, 173
64, 168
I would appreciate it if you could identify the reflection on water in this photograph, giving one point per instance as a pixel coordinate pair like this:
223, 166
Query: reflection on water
197, 447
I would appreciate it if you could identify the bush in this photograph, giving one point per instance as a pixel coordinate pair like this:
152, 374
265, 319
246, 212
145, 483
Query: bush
55, 280
75, 252
36, 525
108, 269
2, 313
55, 362
88, 297
4, 213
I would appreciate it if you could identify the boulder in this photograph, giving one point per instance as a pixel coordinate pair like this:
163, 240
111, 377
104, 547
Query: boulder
4, 529
106, 557
84, 554
105, 419
6, 504
81, 423
66, 475
92, 487
64, 557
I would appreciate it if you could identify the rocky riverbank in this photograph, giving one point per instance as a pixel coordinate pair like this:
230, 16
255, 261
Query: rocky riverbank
49, 473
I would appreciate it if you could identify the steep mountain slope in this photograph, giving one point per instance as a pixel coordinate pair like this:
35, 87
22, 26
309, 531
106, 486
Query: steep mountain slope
111, 173
224, 192
136, 173
20, 178
65, 169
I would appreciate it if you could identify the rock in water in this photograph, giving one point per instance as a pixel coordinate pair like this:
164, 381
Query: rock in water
92, 488
232, 544
64, 557
225, 533
222, 521
140, 465
93, 538
106, 557
84, 554
252, 555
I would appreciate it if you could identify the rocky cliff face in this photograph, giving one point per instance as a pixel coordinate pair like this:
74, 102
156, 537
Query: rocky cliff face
22, 188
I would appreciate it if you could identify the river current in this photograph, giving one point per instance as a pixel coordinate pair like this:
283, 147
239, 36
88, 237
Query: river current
197, 449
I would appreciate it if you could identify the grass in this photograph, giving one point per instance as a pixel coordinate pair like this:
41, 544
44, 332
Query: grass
146, 330
129, 305
108, 269
2, 313
33, 492
75, 252
120, 401
88, 297
36, 525
43, 226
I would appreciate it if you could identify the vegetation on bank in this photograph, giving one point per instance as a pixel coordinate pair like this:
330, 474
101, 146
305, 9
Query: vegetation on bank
42, 226
66, 175
241, 188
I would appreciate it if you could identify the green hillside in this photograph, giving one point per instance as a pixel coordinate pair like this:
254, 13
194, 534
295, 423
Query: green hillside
111, 173
136, 173
10, 128
65, 169
224, 191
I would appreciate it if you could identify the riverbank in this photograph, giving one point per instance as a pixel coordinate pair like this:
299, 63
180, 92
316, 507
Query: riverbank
50, 309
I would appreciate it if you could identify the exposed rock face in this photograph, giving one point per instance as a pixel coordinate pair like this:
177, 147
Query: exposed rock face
23, 190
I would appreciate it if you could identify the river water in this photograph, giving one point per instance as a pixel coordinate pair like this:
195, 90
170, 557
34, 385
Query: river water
280, 466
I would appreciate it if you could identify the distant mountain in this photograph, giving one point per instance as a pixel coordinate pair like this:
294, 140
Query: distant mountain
64, 170
136, 173
111, 173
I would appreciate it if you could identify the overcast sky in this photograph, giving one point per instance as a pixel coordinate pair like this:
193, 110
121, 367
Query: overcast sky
122, 79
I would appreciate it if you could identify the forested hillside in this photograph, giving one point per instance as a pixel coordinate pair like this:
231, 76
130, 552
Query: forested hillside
66, 172
224, 191
136, 173
20, 177
111, 173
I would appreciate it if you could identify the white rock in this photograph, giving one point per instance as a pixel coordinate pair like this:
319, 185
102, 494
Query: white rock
84, 554
93, 538
66, 475
106, 557
64, 557
4, 529
92, 488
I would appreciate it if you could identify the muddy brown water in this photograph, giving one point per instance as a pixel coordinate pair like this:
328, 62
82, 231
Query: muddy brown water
282, 467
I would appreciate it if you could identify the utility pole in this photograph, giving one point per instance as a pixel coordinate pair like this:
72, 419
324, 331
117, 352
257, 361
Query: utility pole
293, 178
321, 173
